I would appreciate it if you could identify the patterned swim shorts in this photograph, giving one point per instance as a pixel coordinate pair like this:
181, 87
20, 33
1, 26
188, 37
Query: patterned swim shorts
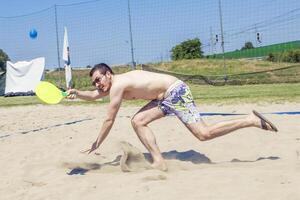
178, 100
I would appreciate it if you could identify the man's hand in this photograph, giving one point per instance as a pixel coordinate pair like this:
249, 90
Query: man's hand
93, 148
72, 94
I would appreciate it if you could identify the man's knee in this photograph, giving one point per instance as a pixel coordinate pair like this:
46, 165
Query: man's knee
203, 134
138, 120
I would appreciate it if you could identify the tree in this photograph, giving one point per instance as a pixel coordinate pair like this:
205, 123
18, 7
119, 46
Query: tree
3, 58
189, 49
248, 45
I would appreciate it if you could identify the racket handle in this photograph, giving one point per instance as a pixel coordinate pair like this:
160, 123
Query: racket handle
64, 94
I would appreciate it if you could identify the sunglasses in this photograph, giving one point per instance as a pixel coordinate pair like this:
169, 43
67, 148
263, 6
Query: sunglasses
97, 80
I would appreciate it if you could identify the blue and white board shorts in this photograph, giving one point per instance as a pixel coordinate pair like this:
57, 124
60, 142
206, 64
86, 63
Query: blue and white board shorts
178, 100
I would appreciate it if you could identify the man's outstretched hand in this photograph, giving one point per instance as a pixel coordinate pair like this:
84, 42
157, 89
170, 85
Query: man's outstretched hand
72, 94
93, 148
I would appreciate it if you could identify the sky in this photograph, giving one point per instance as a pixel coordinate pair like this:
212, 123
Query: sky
98, 30
20, 7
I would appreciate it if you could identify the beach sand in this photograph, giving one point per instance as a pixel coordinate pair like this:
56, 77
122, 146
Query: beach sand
40, 156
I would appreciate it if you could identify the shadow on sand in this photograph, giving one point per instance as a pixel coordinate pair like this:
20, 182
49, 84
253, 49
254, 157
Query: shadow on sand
186, 156
189, 156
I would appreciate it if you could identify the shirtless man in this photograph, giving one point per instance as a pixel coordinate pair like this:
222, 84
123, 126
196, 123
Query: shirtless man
167, 95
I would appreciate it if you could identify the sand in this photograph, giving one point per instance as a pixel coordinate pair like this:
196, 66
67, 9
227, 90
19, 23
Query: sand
40, 156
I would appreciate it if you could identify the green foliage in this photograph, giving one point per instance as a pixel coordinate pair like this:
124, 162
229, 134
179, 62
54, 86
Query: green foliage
189, 49
239, 72
248, 45
271, 57
292, 56
3, 58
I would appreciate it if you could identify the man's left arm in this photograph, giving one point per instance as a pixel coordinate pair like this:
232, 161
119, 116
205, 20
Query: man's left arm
113, 108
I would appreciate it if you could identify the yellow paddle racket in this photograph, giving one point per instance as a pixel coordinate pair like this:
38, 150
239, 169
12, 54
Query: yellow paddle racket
49, 93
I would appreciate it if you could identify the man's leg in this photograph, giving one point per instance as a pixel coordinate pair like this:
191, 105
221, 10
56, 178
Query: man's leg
206, 132
140, 122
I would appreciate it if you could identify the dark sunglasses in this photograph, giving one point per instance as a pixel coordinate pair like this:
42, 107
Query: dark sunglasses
97, 80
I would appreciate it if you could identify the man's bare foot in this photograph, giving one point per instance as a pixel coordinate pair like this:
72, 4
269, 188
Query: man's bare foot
160, 166
255, 120
260, 121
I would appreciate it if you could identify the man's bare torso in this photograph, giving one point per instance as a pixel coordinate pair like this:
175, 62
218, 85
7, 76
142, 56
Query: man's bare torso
140, 84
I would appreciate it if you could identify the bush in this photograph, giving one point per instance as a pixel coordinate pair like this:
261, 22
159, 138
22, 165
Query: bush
3, 58
247, 45
189, 49
292, 56
271, 57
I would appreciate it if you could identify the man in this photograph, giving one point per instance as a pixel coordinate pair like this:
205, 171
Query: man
167, 95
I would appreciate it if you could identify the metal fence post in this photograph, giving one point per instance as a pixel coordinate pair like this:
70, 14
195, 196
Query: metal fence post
222, 42
57, 45
130, 33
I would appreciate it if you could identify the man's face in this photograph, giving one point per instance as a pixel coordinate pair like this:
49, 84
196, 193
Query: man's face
101, 81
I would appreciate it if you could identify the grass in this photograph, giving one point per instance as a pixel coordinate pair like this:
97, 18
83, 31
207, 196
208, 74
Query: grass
215, 67
247, 93
203, 94
251, 92
239, 72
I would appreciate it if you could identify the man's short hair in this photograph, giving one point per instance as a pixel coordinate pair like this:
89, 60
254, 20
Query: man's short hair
102, 67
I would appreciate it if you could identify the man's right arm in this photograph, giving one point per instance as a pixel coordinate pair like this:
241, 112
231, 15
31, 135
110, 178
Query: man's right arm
86, 95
